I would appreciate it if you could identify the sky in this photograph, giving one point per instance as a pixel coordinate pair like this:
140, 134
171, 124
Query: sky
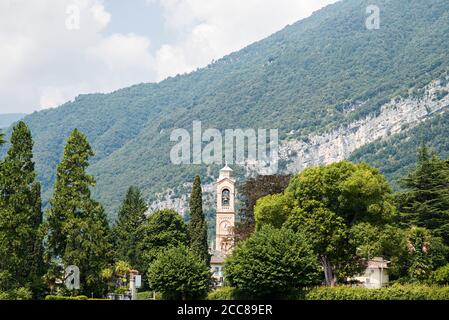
53, 50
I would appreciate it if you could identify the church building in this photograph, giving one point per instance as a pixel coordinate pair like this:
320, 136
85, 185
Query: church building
225, 222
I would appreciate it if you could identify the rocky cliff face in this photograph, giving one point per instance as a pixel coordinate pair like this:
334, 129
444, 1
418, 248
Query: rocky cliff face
394, 117
397, 116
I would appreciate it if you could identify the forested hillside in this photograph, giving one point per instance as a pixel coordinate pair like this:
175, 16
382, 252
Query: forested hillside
312, 76
7, 119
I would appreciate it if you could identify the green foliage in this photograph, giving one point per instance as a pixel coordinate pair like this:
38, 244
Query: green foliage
425, 201
65, 298
388, 241
225, 293
178, 273
117, 277
20, 213
272, 263
441, 275
126, 230
328, 68
395, 292
20, 293
273, 210
162, 229
355, 192
78, 230
426, 253
197, 227
328, 201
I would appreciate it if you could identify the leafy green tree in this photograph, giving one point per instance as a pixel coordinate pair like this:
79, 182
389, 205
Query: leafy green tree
197, 227
355, 192
441, 275
273, 210
388, 241
126, 230
328, 201
327, 233
117, 276
425, 202
272, 263
162, 229
426, 253
20, 213
78, 232
178, 273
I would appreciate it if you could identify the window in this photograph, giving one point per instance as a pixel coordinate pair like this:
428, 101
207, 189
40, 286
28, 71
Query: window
225, 198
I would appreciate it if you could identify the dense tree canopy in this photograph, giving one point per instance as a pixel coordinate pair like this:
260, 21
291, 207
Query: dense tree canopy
425, 201
126, 231
78, 230
178, 273
162, 229
272, 263
21, 237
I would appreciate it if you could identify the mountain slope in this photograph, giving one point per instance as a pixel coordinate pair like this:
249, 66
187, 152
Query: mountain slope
8, 119
311, 77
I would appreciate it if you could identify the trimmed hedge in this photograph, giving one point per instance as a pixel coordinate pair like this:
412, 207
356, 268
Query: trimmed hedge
225, 293
395, 292
66, 298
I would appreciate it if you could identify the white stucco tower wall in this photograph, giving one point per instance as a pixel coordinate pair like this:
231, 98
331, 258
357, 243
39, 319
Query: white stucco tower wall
225, 220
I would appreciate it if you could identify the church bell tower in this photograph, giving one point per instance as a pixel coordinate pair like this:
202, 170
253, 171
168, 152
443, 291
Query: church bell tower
225, 220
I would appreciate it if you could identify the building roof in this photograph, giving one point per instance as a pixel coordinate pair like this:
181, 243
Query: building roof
226, 168
217, 257
377, 263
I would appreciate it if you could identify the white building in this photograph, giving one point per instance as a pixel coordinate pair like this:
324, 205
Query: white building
224, 223
376, 274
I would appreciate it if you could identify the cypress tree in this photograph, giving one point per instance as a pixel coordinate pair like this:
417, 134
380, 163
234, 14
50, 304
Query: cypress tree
126, 230
78, 230
197, 227
425, 203
20, 213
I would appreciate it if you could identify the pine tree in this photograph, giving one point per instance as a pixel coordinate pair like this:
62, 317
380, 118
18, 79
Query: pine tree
197, 227
78, 230
20, 213
126, 235
425, 203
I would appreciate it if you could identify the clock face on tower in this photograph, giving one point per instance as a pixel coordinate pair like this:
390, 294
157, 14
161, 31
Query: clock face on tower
225, 227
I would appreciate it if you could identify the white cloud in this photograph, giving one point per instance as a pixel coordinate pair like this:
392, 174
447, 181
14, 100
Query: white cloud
43, 64
214, 28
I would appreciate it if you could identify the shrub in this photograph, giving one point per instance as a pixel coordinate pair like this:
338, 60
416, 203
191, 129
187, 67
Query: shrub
52, 297
225, 293
441, 275
272, 263
16, 294
395, 292
178, 273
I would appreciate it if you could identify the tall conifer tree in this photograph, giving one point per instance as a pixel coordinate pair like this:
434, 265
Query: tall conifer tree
197, 227
425, 203
20, 212
126, 230
78, 230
